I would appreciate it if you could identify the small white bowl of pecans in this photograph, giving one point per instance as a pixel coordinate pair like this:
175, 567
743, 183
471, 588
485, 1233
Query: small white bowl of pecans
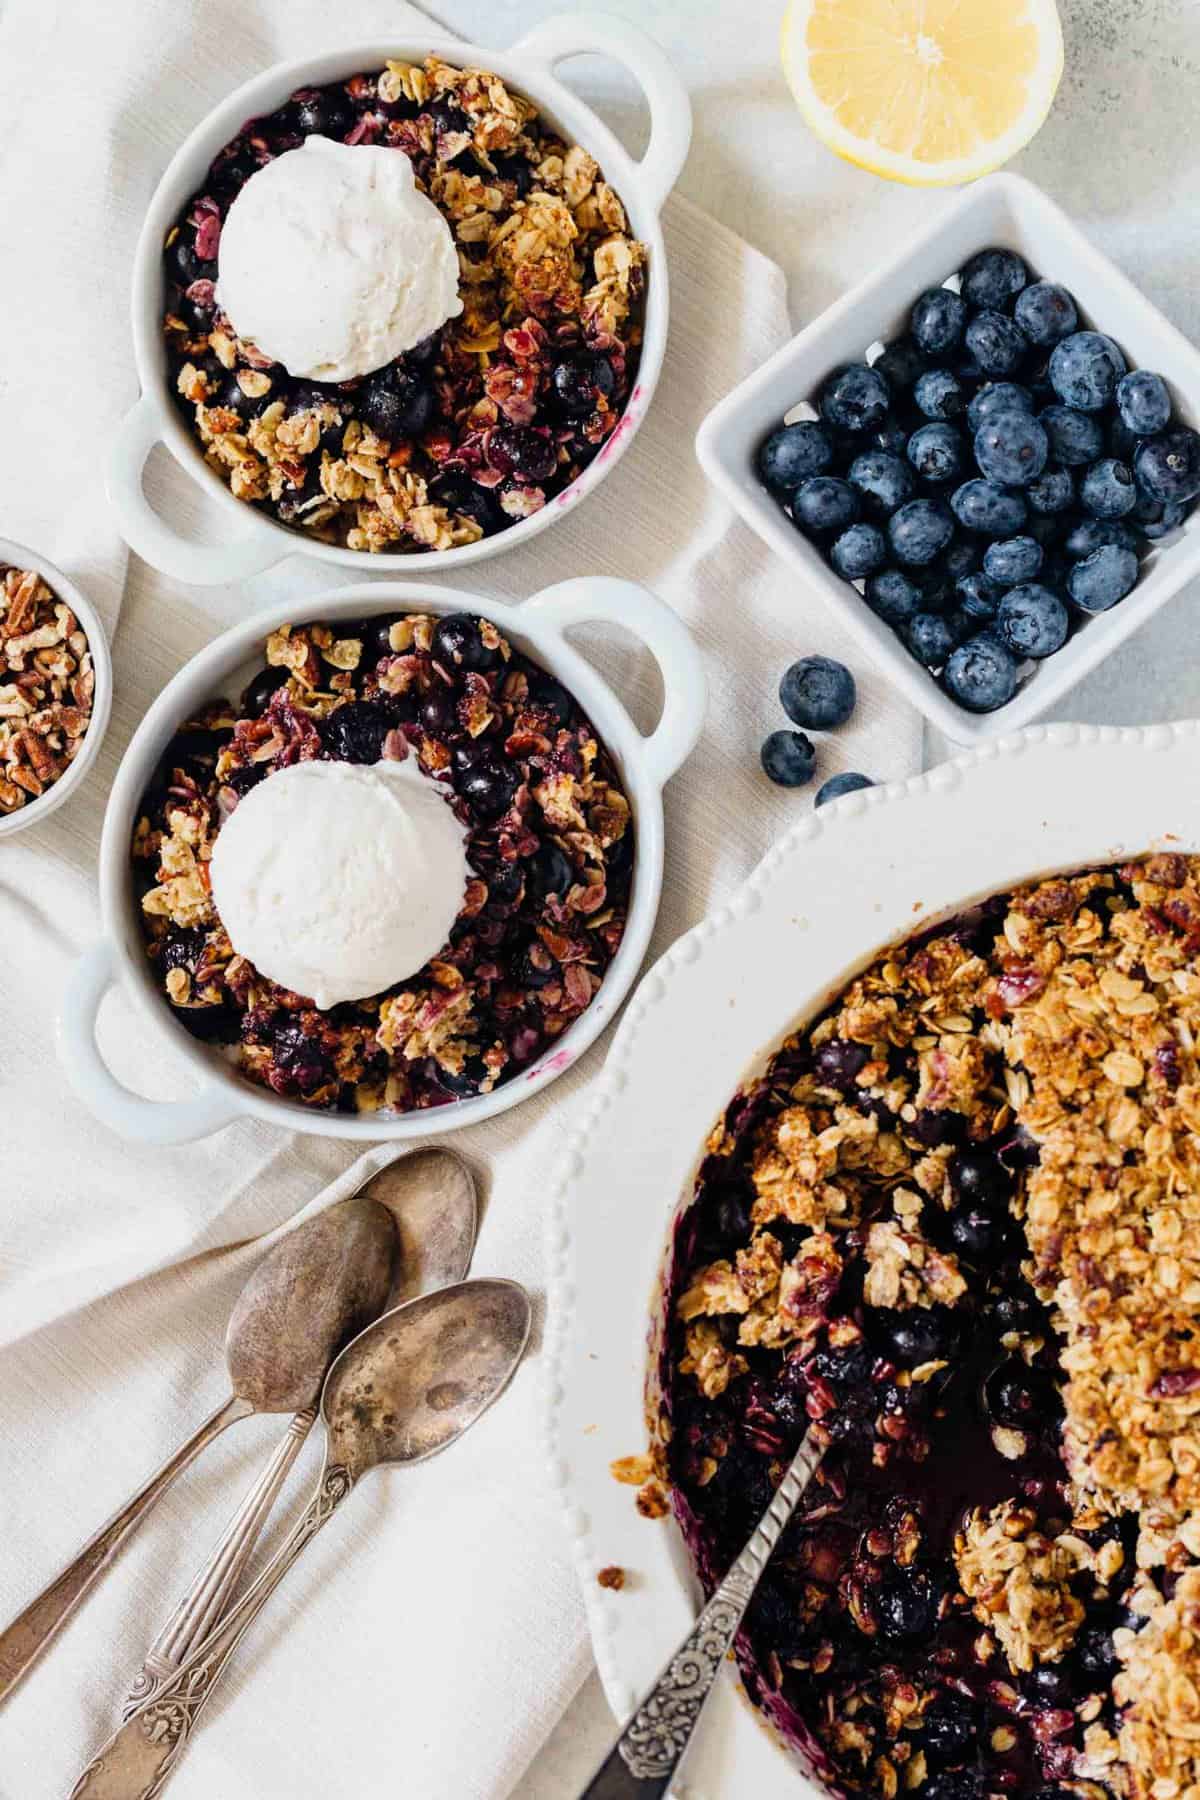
55, 687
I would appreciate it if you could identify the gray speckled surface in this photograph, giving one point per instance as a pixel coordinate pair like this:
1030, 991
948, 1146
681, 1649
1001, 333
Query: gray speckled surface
1118, 151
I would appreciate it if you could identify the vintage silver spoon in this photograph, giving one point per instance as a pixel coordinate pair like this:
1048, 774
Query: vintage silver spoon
431, 1197
644, 1758
406, 1388
315, 1289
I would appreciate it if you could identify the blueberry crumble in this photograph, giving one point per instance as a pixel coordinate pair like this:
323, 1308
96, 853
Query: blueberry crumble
996, 436
549, 854
483, 422
953, 1231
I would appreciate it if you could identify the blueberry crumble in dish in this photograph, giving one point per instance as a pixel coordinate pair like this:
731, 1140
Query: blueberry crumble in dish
546, 832
953, 1231
484, 421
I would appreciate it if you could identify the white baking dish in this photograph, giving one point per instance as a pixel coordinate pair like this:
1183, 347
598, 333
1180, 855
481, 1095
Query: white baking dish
864, 872
1003, 209
538, 627
250, 540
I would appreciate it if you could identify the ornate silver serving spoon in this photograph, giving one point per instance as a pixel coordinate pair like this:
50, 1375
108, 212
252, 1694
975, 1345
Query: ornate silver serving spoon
646, 1755
406, 1388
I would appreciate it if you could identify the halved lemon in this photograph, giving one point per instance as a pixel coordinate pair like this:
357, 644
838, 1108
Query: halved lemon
930, 92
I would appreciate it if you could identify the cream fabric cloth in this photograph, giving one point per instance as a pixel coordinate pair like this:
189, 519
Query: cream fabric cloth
430, 1638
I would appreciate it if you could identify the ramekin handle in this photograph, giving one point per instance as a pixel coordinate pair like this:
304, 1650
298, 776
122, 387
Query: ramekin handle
201, 565
129, 1114
573, 34
605, 600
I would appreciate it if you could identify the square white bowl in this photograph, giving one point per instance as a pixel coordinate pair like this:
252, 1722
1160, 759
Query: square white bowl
1009, 211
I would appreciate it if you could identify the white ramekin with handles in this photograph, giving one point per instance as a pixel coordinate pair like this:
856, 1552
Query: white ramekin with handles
539, 628
251, 540
1002, 209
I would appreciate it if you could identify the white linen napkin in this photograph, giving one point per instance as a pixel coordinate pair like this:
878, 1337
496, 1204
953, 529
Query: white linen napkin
430, 1638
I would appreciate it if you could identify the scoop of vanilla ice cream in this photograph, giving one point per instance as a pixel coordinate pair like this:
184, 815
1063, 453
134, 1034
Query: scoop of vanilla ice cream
338, 879
332, 261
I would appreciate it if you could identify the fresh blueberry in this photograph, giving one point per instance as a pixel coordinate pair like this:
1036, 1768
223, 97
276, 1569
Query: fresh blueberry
949, 1732
1089, 535
1144, 402
818, 693
906, 1603
919, 531
855, 399
1017, 1396
1053, 492
938, 453
938, 321
257, 696
939, 589
978, 597
962, 557
838, 1062
1168, 466
974, 1234
1075, 437
1096, 1655
1011, 448
983, 507
837, 785
1032, 620
458, 644
824, 503
1046, 313
1170, 518
890, 437
524, 451
939, 394
883, 481
931, 637
354, 732
859, 552
488, 790
996, 343
993, 279
579, 382
981, 674
183, 266
794, 453
550, 871
997, 396
1121, 442
893, 596
396, 404
325, 112
910, 1336
1010, 561
900, 362
788, 758
1107, 490
1085, 369
978, 1178
1102, 579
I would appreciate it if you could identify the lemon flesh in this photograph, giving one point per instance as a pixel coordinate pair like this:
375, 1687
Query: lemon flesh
930, 92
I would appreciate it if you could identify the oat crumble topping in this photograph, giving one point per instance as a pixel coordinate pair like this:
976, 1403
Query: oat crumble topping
989, 1149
